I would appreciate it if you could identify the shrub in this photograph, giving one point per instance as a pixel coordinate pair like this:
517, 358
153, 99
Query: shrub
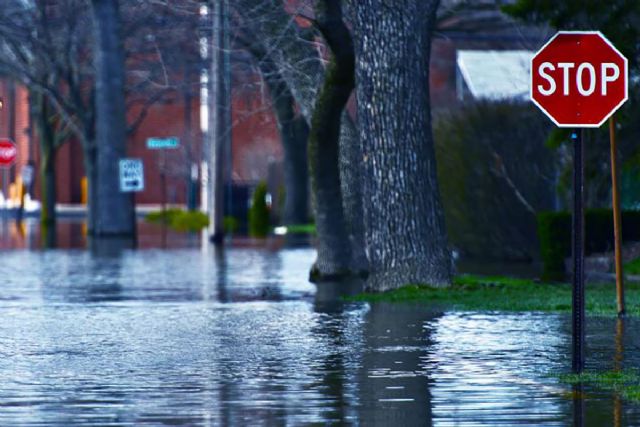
179, 220
165, 217
259, 212
554, 234
190, 221
490, 157
230, 224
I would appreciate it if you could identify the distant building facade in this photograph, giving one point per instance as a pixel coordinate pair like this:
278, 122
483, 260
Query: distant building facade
463, 44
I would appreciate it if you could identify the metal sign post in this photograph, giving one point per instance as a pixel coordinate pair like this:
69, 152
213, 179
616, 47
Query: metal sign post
617, 222
163, 144
578, 294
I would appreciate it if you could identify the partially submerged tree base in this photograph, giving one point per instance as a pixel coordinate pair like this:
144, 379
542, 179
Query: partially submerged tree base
411, 273
316, 276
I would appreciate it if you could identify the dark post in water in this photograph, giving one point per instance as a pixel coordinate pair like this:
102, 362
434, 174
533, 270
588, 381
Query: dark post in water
578, 314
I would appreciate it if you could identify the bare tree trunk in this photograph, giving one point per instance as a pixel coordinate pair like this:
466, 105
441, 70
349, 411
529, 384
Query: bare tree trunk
294, 133
334, 245
298, 65
296, 171
188, 144
48, 184
351, 185
114, 210
90, 170
46, 139
405, 233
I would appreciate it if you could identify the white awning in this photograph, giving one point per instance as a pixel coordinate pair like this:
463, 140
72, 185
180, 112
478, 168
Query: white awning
495, 74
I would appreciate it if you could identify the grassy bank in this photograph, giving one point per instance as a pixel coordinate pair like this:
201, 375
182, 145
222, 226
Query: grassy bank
625, 383
480, 293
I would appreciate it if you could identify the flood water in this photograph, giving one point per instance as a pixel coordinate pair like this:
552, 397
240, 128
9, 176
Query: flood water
192, 336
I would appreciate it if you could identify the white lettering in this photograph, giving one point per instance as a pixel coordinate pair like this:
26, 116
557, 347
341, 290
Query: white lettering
606, 77
552, 84
566, 66
8, 153
592, 79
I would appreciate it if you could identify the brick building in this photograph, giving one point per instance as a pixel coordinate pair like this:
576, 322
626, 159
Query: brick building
256, 147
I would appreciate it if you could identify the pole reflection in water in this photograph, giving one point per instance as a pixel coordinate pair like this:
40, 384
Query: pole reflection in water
220, 259
578, 406
617, 366
49, 236
335, 327
394, 385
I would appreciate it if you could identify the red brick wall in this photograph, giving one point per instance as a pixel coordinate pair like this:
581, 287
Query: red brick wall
167, 120
255, 137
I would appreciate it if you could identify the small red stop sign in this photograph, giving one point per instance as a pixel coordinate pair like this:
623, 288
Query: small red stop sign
8, 153
579, 79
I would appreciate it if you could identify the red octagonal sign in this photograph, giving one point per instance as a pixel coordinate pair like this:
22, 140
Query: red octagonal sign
8, 153
579, 79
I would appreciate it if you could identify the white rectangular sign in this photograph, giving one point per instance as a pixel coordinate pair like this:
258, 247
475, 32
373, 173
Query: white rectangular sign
27, 175
131, 175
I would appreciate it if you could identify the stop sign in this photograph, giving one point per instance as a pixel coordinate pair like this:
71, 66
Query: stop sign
579, 79
8, 153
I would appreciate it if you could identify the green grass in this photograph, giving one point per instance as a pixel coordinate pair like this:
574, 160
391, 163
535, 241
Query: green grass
497, 293
179, 220
632, 267
301, 229
626, 383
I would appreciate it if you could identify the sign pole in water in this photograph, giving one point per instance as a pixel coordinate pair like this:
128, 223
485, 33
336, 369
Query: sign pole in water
578, 79
577, 245
617, 221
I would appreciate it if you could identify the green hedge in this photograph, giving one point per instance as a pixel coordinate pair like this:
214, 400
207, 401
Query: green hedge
179, 220
554, 234
259, 212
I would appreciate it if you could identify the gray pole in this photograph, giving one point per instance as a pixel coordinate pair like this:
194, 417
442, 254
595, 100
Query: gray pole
218, 107
578, 303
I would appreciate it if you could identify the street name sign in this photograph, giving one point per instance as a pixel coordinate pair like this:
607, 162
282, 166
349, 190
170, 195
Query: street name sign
579, 79
163, 143
131, 175
8, 153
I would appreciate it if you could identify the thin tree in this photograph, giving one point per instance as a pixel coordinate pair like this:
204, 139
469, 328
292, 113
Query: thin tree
295, 53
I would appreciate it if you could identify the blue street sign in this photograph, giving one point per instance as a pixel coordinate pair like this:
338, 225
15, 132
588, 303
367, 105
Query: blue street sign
162, 143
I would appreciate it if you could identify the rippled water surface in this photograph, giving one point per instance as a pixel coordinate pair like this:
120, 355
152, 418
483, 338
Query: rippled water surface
192, 336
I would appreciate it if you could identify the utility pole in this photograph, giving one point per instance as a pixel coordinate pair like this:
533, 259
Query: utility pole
219, 133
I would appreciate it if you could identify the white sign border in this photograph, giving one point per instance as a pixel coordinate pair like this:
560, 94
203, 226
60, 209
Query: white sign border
138, 189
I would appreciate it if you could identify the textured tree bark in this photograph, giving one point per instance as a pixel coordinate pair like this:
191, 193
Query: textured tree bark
404, 222
46, 138
351, 186
334, 245
114, 210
